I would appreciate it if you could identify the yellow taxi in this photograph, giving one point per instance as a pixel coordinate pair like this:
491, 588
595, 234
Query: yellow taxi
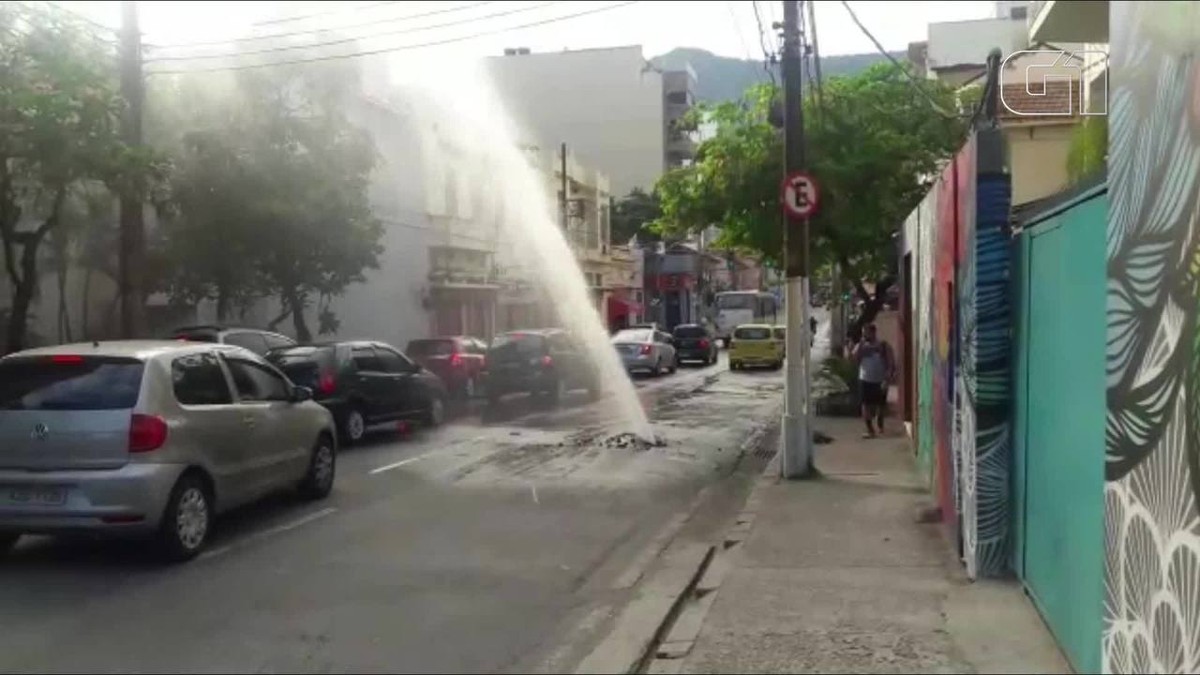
780, 333
754, 344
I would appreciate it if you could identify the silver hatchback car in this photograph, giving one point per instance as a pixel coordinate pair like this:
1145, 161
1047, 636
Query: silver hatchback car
151, 438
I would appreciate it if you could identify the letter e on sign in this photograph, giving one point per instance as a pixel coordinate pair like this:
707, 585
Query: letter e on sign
800, 196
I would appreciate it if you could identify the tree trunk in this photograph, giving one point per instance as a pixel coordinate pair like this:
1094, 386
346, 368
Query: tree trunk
85, 305
22, 298
64, 312
294, 300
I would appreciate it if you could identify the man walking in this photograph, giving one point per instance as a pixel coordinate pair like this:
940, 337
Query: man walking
876, 368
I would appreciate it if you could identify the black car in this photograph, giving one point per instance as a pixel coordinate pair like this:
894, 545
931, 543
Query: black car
540, 362
364, 383
258, 341
694, 342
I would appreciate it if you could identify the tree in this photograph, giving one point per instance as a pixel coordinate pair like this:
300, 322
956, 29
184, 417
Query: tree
632, 215
873, 143
272, 193
59, 135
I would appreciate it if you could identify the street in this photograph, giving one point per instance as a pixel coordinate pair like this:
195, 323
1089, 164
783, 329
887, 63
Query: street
491, 544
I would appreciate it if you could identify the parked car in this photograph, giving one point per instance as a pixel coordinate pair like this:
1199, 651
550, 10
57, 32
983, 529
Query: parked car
694, 342
546, 362
364, 384
258, 341
151, 438
754, 345
646, 350
457, 360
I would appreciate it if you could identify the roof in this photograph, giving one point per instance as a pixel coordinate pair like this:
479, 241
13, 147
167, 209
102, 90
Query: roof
138, 349
1052, 100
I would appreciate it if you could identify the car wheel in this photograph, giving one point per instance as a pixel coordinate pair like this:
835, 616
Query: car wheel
658, 369
187, 520
558, 390
674, 366
318, 482
8, 541
436, 414
354, 427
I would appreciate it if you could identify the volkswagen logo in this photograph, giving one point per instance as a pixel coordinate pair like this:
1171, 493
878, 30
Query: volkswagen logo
40, 432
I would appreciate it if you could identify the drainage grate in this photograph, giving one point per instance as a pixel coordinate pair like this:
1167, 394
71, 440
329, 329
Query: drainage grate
766, 452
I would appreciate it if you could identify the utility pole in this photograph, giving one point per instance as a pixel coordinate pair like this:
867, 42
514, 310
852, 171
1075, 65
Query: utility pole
562, 195
797, 430
132, 239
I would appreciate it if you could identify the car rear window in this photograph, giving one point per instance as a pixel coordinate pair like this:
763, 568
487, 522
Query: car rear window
515, 346
195, 335
65, 382
419, 348
304, 365
752, 334
689, 331
634, 336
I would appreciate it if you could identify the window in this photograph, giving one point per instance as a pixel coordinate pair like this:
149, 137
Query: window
678, 97
366, 361
252, 341
690, 332
431, 348
1018, 12
275, 341
255, 382
752, 334
393, 362
735, 301
199, 380
69, 383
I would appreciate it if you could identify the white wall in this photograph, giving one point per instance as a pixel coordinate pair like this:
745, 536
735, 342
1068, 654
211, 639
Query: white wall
953, 43
606, 104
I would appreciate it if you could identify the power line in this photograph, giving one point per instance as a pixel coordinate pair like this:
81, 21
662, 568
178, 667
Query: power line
348, 40
816, 59
387, 50
737, 27
269, 36
301, 17
78, 16
768, 55
911, 78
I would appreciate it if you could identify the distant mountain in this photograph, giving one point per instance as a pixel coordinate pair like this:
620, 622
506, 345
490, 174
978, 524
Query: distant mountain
720, 78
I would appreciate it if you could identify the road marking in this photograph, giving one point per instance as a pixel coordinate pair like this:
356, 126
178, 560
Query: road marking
278, 529
397, 465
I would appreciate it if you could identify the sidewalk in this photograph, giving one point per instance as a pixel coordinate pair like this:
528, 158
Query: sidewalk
836, 576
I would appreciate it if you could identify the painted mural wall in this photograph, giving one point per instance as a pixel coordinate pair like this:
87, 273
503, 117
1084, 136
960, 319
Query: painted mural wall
925, 232
1152, 440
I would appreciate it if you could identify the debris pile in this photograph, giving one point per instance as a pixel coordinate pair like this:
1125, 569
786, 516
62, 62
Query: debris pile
630, 441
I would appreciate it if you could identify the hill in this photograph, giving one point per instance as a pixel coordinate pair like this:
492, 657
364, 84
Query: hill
722, 78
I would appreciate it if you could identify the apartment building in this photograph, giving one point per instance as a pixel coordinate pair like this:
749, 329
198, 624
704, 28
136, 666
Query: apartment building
611, 106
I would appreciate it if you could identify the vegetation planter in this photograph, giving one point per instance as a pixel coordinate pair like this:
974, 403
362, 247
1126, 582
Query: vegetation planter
839, 404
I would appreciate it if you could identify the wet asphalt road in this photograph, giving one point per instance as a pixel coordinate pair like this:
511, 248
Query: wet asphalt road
479, 546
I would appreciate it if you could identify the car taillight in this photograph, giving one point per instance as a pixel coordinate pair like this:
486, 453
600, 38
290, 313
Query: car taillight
326, 384
66, 358
456, 360
703, 344
146, 433
547, 361
645, 349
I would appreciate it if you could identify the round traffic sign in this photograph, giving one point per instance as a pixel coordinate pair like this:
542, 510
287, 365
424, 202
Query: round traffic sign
800, 195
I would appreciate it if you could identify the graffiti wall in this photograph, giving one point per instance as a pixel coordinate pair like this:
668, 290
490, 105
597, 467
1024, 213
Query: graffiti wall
1152, 439
923, 296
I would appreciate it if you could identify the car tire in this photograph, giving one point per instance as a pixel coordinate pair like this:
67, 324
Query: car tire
435, 416
322, 467
187, 520
8, 541
353, 427
658, 369
734, 365
673, 367
557, 390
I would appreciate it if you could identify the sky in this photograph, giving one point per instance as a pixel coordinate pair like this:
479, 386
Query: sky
727, 28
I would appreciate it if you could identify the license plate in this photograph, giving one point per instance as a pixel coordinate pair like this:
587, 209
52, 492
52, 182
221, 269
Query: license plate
37, 496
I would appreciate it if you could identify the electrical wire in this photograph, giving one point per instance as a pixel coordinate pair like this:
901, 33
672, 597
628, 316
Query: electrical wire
899, 66
768, 55
737, 27
270, 36
77, 18
352, 39
816, 58
388, 50
301, 17
76, 15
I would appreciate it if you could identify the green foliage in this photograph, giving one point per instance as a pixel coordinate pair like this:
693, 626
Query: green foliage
59, 135
1088, 151
838, 373
632, 214
873, 144
272, 193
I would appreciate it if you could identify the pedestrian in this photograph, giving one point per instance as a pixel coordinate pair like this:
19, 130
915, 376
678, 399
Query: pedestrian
876, 369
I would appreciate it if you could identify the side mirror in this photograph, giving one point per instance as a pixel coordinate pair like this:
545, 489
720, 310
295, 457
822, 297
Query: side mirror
301, 394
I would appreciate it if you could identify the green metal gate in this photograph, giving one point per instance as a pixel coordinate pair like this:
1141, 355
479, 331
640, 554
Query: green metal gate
1059, 392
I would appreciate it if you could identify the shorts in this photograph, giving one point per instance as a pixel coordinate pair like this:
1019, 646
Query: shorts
872, 393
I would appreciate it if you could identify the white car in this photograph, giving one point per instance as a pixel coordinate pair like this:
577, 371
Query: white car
643, 349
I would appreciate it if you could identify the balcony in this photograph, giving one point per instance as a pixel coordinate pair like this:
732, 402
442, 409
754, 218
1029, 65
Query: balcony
1059, 21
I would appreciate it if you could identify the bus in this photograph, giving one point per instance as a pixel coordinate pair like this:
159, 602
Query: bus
733, 308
